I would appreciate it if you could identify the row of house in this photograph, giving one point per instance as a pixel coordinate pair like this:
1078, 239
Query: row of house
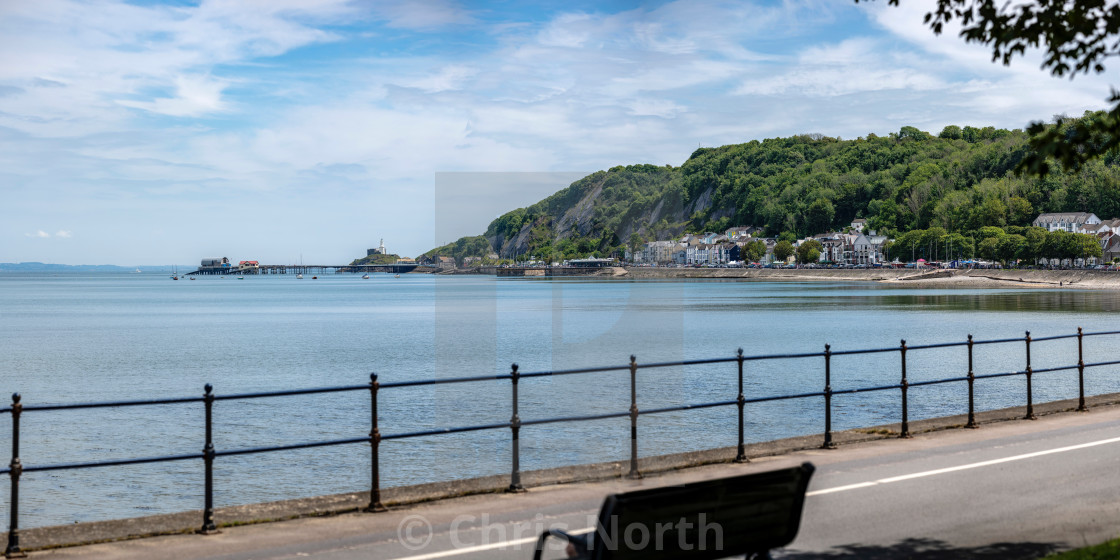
1107, 232
850, 247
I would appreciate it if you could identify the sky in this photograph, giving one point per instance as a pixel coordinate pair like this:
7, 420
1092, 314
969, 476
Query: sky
166, 132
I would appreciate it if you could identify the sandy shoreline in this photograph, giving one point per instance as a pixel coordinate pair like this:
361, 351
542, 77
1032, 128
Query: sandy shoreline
1036, 279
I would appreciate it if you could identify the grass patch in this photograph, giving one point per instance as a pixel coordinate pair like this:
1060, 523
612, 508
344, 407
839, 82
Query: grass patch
1104, 551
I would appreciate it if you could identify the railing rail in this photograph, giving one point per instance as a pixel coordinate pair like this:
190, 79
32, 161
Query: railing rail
209, 454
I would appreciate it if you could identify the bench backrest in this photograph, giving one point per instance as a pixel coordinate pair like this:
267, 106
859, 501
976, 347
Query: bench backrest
733, 516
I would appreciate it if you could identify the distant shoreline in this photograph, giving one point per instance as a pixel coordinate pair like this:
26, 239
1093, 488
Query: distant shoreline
976, 278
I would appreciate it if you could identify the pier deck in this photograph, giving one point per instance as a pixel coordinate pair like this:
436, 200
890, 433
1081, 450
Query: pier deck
311, 269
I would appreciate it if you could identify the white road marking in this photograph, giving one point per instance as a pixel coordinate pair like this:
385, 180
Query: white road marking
962, 467
518, 542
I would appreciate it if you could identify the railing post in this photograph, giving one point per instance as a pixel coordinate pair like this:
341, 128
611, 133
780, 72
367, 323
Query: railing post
971, 381
1080, 373
208, 526
515, 428
634, 473
375, 504
828, 444
1030, 404
741, 401
13, 550
905, 431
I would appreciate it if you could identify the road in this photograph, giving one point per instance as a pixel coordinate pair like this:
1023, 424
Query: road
1008, 490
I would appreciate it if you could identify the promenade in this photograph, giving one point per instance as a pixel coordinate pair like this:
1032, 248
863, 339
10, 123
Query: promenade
901, 277
1012, 489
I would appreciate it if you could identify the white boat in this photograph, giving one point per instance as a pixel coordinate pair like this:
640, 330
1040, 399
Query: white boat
299, 277
365, 277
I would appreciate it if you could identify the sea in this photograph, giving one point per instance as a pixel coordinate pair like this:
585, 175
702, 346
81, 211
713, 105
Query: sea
101, 337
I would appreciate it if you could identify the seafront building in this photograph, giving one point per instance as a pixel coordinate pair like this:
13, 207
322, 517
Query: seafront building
854, 247
1073, 222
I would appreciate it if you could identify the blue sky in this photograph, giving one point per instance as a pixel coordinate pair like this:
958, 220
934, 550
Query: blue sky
145, 133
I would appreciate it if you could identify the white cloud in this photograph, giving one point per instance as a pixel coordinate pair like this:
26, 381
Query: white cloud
422, 14
655, 108
448, 78
63, 234
1022, 88
194, 96
40, 234
80, 63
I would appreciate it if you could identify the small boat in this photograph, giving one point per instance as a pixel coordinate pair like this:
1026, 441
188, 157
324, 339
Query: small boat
137, 271
397, 276
365, 277
239, 277
192, 278
299, 277
314, 277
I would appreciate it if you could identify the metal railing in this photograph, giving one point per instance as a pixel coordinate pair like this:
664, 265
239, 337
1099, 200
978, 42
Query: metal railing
209, 454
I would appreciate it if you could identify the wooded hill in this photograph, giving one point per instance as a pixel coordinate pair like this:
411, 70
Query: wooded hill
962, 180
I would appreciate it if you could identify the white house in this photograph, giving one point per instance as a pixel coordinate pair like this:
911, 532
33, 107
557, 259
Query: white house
1072, 222
832, 247
658, 252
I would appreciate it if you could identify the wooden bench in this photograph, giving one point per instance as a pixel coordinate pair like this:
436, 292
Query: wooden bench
735, 516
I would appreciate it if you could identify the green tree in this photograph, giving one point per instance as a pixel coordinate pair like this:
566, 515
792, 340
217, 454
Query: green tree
958, 246
1012, 248
933, 241
809, 251
989, 248
819, 215
1035, 237
1090, 247
782, 250
1019, 211
951, 132
987, 232
637, 241
909, 246
787, 236
753, 251
990, 212
1052, 246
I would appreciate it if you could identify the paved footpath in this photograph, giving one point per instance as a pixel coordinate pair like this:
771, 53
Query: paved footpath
1017, 489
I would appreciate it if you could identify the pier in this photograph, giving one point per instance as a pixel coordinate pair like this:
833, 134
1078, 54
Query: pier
399, 268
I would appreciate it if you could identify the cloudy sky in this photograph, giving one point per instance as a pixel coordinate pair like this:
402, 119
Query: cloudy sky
146, 133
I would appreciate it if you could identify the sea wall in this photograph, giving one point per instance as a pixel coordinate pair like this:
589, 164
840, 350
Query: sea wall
1084, 279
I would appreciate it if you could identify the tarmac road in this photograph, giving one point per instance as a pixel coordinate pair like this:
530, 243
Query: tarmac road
1018, 489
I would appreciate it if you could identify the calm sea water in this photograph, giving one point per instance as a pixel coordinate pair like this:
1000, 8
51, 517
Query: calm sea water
85, 338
